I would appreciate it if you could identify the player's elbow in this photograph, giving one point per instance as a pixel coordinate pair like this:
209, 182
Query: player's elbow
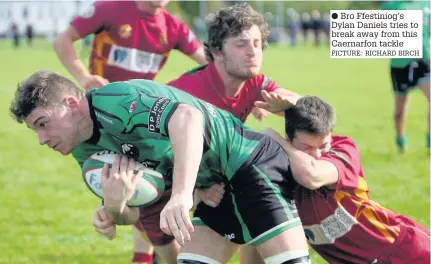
188, 113
66, 37
311, 184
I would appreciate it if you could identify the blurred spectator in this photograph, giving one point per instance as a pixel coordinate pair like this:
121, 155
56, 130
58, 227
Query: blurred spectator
305, 25
293, 25
15, 34
29, 31
316, 25
326, 26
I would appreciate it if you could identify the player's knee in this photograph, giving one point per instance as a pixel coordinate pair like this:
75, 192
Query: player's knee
290, 257
188, 258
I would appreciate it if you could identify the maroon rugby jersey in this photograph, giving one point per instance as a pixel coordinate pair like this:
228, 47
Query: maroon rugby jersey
129, 43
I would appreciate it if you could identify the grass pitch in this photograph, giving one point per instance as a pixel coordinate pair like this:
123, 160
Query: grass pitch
46, 210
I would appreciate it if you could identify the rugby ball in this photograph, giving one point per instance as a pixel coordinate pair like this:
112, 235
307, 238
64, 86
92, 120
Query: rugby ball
149, 188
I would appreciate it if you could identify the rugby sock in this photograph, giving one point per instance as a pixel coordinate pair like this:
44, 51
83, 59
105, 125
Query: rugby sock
428, 140
141, 258
289, 257
401, 143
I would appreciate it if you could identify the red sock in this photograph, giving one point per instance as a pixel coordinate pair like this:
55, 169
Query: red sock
142, 258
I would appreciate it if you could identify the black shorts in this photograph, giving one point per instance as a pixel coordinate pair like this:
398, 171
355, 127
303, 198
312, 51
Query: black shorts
258, 201
407, 78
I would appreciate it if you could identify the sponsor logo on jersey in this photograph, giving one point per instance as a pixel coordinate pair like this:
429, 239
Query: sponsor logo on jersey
125, 31
130, 150
120, 55
104, 118
132, 107
151, 164
331, 228
155, 116
134, 60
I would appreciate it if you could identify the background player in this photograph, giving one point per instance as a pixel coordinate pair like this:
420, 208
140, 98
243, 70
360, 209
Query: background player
205, 141
406, 74
237, 37
132, 40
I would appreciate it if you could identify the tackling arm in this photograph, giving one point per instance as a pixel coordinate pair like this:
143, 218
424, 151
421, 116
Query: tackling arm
306, 170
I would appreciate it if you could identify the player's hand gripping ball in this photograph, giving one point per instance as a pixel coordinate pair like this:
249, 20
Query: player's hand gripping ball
149, 188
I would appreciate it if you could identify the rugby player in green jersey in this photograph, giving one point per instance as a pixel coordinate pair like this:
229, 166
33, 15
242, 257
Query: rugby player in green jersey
193, 143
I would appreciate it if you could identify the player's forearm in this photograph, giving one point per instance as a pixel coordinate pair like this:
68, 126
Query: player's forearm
310, 172
63, 47
303, 166
186, 135
129, 216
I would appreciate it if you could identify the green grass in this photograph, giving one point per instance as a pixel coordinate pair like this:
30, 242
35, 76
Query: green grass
46, 210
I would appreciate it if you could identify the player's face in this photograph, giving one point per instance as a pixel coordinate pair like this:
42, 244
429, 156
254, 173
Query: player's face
313, 145
242, 55
160, 3
55, 127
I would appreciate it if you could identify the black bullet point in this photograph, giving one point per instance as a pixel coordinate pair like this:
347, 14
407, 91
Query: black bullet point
334, 15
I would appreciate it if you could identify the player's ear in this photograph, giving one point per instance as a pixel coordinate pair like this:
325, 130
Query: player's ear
217, 55
72, 102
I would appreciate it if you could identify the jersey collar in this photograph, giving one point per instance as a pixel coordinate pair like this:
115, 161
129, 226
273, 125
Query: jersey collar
95, 137
215, 78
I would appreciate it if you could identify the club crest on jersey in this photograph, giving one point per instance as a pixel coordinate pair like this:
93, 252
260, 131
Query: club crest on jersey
132, 107
125, 31
265, 83
190, 37
130, 150
163, 39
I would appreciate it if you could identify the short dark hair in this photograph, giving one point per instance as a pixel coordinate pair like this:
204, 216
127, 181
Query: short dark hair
42, 88
310, 115
230, 22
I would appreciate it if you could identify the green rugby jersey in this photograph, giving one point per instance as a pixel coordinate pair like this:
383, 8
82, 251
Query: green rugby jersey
132, 118
412, 5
